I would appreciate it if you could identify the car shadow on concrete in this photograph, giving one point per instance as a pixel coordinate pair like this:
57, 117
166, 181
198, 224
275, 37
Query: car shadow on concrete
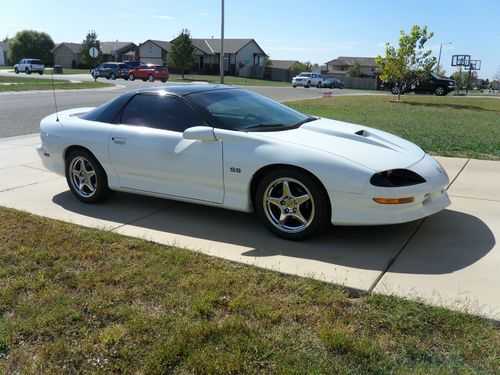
367, 248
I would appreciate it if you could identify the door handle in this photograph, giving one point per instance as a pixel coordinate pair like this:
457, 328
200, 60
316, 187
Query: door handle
119, 140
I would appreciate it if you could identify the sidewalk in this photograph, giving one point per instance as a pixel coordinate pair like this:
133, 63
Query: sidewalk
449, 259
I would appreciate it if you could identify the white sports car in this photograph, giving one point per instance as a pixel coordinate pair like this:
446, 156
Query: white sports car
231, 148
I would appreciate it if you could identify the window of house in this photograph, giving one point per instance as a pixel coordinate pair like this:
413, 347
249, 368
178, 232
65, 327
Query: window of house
160, 112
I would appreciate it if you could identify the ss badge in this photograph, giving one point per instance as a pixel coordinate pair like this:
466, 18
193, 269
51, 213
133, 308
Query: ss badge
235, 170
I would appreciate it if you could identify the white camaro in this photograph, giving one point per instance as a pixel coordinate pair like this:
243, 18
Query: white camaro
231, 148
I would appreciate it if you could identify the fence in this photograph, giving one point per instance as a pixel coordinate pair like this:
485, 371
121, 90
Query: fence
354, 82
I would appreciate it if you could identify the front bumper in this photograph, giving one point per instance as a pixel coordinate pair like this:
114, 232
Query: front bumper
360, 209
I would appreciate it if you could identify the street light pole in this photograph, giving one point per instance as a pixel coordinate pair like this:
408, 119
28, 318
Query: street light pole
221, 60
439, 58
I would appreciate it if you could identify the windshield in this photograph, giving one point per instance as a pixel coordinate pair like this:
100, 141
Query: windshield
304, 74
243, 110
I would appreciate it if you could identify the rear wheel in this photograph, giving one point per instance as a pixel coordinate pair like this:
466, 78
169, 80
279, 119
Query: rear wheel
151, 78
164, 80
291, 204
394, 90
86, 178
112, 76
319, 85
27, 71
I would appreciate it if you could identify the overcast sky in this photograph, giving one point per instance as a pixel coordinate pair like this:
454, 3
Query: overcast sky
316, 31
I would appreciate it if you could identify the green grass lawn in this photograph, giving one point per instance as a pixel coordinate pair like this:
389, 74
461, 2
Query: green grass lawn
76, 300
27, 83
229, 80
448, 126
48, 71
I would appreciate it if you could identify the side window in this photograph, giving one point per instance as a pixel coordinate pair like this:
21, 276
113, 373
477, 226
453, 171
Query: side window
160, 112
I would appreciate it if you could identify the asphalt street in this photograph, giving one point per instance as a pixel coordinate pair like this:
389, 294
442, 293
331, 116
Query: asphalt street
21, 112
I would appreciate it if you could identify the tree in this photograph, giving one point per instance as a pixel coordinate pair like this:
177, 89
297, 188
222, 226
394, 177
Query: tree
89, 42
302, 67
182, 52
34, 44
463, 78
402, 66
355, 69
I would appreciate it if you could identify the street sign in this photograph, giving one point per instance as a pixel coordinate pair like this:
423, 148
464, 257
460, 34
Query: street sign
93, 52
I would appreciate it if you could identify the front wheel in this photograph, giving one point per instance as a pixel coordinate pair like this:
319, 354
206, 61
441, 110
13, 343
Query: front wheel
16, 70
40, 72
440, 91
151, 78
292, 204
308, 85
394, 90
86, 178
131, 76
112, 76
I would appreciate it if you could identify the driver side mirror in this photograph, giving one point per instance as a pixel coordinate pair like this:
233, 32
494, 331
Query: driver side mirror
199, 133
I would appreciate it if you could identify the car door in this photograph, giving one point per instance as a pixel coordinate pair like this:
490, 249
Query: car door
149, 154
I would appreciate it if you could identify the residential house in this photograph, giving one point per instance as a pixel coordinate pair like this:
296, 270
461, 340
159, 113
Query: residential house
68, 55
341, 65
153, 52
240, 55
3, 54
283, 64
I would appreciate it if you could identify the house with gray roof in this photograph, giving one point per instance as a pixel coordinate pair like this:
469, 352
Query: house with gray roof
68, 55
341, 65
153, 52
240, 55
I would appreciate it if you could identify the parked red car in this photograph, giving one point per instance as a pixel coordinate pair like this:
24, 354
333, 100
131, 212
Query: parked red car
149, 72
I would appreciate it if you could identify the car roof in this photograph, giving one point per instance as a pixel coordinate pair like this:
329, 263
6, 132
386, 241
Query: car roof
182, 90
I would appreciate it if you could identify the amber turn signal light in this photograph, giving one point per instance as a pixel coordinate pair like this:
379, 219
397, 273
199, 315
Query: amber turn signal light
394, 200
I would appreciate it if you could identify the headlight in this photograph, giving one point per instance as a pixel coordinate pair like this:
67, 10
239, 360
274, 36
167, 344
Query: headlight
396, 178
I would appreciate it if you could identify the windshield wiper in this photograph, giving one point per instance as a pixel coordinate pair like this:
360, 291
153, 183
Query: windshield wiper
264, 127
309, 119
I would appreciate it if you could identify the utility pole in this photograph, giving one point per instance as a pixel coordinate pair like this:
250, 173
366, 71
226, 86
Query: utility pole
439, 58
221, 62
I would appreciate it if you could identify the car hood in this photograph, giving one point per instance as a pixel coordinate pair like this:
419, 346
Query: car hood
371, 148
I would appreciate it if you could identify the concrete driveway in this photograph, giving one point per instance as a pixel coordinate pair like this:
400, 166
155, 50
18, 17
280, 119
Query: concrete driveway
449, 259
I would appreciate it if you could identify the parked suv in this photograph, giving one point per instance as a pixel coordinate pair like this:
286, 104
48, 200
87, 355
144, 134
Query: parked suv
110, 70
29, 66
149, 72
430, 84
307, 79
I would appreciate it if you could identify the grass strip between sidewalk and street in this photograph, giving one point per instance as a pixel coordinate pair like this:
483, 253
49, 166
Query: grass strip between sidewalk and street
446, 126
28, 84
78, 300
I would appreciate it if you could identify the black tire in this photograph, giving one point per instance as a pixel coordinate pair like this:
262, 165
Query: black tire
112, 76
440, 91
315, 210
27, 71
164, 80
308, 84
151, 78
16, 70
40, 73
294, 86
394, 90
86, 163
131, 77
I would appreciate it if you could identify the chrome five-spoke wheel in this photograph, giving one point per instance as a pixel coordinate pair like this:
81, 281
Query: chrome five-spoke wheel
83, 177
292, 203
289, 205
86, 178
